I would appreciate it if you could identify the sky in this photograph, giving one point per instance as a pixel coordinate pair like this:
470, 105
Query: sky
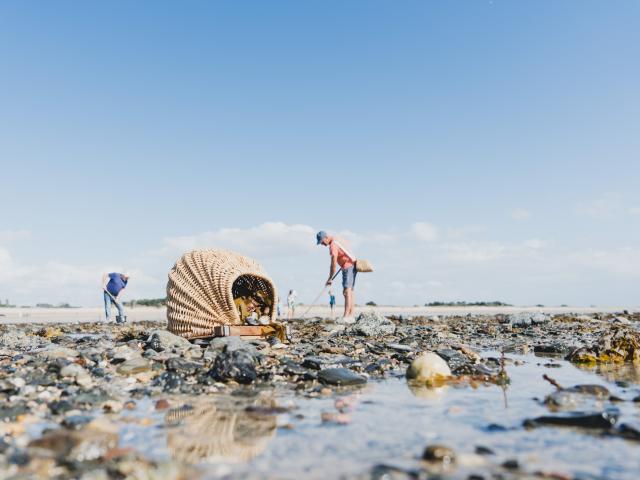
471, 150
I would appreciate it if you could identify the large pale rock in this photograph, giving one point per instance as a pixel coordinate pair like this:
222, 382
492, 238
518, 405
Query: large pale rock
524, 319
161, 340
428, 367
229, 345
371, 324
18, 340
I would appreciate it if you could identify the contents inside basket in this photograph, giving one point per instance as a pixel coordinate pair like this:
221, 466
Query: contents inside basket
254, 299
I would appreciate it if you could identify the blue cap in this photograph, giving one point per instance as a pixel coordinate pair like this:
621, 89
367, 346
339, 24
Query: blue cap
321, 236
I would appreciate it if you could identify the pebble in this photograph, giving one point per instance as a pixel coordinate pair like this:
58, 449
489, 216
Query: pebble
340, 376
439, 454
428, 367
134, 366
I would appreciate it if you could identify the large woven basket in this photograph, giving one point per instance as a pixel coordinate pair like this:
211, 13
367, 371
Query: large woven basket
202, 287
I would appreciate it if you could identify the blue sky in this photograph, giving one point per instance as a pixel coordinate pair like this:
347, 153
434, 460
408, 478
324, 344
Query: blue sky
471, 149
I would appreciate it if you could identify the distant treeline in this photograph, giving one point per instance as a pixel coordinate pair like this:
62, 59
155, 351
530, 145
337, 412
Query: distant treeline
59, 305
147, 302
467, 304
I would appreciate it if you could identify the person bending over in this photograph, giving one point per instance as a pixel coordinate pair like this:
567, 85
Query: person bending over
113, 284
339, 251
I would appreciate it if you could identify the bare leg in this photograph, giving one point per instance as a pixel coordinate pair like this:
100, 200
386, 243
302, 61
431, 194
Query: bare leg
348, 302
352, 298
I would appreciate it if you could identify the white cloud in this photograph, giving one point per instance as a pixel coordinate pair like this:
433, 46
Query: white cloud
426, 232
604, 206
619, 261
7, 236
520, 214
535, 243
56, 282
634, 211
272, 239
413, 265
474, 252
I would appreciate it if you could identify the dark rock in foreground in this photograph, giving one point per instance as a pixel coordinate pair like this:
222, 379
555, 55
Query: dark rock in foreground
237, 365
340, 376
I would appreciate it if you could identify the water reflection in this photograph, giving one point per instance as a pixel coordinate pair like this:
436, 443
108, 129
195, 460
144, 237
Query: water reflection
421, 390
220, 430
615, 372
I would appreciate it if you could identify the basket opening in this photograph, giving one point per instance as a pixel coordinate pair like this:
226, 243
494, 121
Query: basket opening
253, 297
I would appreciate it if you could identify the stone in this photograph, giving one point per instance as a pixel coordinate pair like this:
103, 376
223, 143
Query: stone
553, 348
12, 411
76, 422
336, 418
439, 454
615, 345
78, 373
524, 319
454, 358
53, 351
399, 347
370, 324
122, 353
622, 320
160, 340
340, 376
229, 344
183, 366
60, 406
602, 420
19, 340
428, 367
236, 365
133, 366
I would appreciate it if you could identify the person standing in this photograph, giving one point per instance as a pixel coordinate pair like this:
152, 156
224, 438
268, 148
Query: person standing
113, 284
332, 301
339, 251
291, 304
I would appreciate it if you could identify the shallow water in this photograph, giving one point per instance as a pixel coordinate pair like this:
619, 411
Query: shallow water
391, 424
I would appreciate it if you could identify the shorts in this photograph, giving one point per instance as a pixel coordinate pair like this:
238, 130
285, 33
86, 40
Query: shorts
349, 277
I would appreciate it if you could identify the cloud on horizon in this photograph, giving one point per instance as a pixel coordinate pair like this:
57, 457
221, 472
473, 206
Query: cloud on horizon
425, 262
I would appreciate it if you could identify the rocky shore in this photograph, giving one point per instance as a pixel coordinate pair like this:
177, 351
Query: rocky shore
65, 388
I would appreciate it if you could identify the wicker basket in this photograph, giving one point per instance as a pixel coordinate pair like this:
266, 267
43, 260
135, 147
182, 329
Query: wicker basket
203, 285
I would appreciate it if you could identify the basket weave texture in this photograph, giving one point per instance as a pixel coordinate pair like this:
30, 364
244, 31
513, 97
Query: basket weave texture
200, 290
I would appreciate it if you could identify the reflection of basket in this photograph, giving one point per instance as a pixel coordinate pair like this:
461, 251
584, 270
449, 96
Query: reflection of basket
203, 285
209, 433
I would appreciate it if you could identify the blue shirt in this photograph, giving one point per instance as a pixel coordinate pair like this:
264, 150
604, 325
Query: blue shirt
332, 299
116, 283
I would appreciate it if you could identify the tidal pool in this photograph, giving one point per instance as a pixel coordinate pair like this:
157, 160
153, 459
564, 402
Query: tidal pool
385, 426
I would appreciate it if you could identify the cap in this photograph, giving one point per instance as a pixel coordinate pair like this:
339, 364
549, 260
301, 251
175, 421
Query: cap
321, 236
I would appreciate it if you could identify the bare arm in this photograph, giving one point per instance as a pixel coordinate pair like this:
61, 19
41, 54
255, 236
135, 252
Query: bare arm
105, 281
332, 269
